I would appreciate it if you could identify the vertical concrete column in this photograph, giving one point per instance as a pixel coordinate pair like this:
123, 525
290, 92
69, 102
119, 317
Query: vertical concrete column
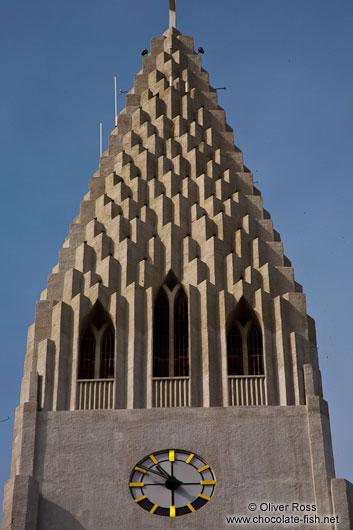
136, 356
283, 375
223, 347
262, 306
21, 491
204, 352
215, 354
149, 347
195, 347
320, 446
20, 504
121, 349
81, 307
298, 377
22, 462
29, 388
342, 497
61, 334
30, 349
113, 316
46, 365
171, 237
42, 326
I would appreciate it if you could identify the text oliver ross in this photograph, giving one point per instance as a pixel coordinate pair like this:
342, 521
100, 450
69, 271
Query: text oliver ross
294, 507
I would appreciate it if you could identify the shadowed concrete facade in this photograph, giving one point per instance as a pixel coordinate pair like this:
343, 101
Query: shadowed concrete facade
171, 197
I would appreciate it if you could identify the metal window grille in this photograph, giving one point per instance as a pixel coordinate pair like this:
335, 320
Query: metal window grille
255, 352
87, 356
181, 338
235, 351
106, 370
161, 336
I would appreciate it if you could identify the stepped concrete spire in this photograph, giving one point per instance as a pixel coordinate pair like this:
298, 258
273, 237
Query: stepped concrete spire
172, 320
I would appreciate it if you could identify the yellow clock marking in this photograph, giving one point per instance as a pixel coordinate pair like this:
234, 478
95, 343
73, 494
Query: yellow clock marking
191, 508
140, 469
136, 484
154, 508
190, 457
204, 497
141, 498
153, 458
171, 456
207, 482
203, 468
172, 511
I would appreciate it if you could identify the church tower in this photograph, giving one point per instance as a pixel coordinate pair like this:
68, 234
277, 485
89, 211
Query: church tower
171, 378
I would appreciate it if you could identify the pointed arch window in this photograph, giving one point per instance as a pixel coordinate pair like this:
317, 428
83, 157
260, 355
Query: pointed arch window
161, 336
171, 331
107, 355
87, 356
235, 351
244, 343
255, 353
181, 334
96, 353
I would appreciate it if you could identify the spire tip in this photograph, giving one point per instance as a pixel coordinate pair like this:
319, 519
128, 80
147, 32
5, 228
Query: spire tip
172, 13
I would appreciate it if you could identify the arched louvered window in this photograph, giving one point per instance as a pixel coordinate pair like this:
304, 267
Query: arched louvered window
171, 331
161, 336
96, 354
106, 370
255, 352
235, 351
181, 335
244, 342
87, 356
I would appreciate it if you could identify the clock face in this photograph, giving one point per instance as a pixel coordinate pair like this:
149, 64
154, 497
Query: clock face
172, 482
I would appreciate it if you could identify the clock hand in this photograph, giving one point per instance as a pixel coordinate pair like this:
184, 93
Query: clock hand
153, 471
160, 468
171, 482
190, 483
182, 484
173, 496
172, 476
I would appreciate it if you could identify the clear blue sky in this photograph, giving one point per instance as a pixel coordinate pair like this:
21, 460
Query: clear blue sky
287, 66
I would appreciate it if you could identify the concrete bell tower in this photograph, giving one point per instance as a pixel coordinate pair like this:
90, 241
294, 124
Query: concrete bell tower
171, 378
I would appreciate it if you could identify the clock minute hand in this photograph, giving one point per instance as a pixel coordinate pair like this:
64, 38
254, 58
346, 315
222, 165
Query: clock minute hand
153, 471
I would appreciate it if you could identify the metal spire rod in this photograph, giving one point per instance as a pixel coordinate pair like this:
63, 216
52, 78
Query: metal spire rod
172, 14
100, 138
116, 100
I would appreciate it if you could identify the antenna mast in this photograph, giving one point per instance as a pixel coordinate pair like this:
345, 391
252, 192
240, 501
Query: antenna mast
100, 138
116, 101
172, 14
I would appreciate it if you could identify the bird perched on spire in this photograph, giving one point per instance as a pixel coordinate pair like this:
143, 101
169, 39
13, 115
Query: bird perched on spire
144, 52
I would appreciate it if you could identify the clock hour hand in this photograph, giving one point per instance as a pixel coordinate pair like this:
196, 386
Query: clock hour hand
165, 473
171, 482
